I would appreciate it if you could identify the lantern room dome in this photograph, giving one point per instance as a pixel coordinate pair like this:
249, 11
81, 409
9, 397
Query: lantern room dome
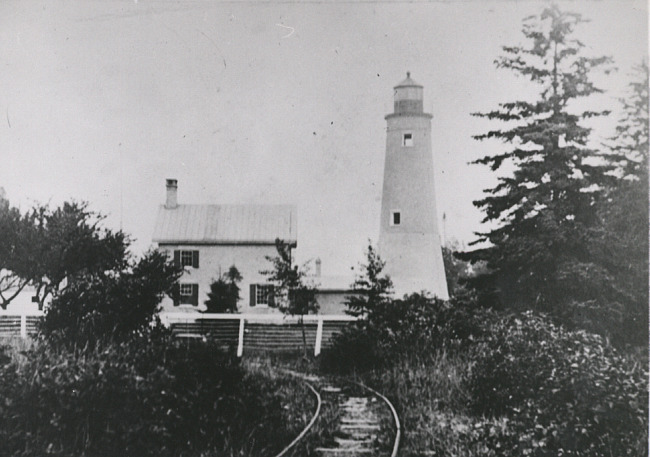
408, 82
408, 97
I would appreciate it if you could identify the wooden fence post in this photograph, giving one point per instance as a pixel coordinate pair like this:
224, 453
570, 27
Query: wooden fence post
23, 325
240, 342
319, 336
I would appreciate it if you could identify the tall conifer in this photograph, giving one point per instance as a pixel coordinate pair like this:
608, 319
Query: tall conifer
545, 197
620, 240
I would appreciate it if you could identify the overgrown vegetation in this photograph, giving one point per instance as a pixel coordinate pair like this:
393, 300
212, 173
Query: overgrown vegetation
110, 305
473, 381
104, 378
470, 381
148, 395
560, 241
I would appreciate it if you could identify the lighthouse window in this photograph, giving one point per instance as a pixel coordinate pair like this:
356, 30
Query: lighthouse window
407, 140
396, 218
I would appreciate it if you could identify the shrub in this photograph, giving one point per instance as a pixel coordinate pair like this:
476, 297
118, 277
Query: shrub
565, 392
146, 396
410, 327
224, 292
112, 304
355, 349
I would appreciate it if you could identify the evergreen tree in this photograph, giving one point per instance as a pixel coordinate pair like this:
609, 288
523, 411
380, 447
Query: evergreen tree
293, 292
372, 285
537, 253
629, 148
620, 240
224, 292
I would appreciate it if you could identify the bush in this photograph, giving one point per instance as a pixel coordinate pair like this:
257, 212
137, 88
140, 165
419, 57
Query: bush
565, 392
410, 327
224, 292
112, 305
146, 396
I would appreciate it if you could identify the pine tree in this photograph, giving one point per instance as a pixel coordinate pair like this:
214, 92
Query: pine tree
537, 255
620, 240
372, 286
629, 148
224, 292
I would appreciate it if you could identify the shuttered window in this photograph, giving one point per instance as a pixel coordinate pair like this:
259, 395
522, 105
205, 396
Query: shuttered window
186, 258
261, 295
188, 294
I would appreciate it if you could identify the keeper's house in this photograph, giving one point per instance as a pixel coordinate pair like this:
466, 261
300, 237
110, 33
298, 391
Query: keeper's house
208, 239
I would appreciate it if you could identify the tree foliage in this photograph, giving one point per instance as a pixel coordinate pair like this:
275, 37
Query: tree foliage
620, 239
148, 396
224, 292
48, 248
293, 291
71, 243
538, 252
628, 150
372, 286
113, 304
563, 392
456, 270
17, 253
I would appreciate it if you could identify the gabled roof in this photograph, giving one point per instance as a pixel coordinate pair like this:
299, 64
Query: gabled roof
226, 224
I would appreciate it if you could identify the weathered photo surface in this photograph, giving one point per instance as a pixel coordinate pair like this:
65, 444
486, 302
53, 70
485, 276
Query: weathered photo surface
210, 208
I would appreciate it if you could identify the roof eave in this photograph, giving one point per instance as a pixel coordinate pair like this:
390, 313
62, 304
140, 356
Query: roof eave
292, 243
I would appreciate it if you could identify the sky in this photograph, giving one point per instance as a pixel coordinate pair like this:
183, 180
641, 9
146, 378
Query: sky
265, 102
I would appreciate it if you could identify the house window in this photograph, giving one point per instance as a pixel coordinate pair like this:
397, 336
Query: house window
186, 290
188, 294
187, 258
407, 140
395, 218
261, 294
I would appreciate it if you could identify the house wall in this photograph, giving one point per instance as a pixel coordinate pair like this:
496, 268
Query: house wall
217, 259
23, 302
331, 302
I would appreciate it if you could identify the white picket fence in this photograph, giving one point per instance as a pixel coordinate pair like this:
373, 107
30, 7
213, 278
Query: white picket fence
273, 332
19, 323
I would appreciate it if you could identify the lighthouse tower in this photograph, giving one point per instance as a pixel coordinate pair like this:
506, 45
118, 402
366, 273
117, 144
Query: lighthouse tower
409, 240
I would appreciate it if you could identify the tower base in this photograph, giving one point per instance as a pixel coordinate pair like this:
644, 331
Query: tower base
414, 263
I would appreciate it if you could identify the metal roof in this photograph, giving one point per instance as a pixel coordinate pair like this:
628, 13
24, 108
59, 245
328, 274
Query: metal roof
226, 224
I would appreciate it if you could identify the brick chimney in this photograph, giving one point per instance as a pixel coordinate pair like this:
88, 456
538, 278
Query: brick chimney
318, 267
172, 199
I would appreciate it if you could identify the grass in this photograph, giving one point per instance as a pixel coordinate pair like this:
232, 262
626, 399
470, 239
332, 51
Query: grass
273, 409
430, 398
300, 402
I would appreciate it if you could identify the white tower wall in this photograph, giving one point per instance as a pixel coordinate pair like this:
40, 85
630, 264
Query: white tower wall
409, 242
